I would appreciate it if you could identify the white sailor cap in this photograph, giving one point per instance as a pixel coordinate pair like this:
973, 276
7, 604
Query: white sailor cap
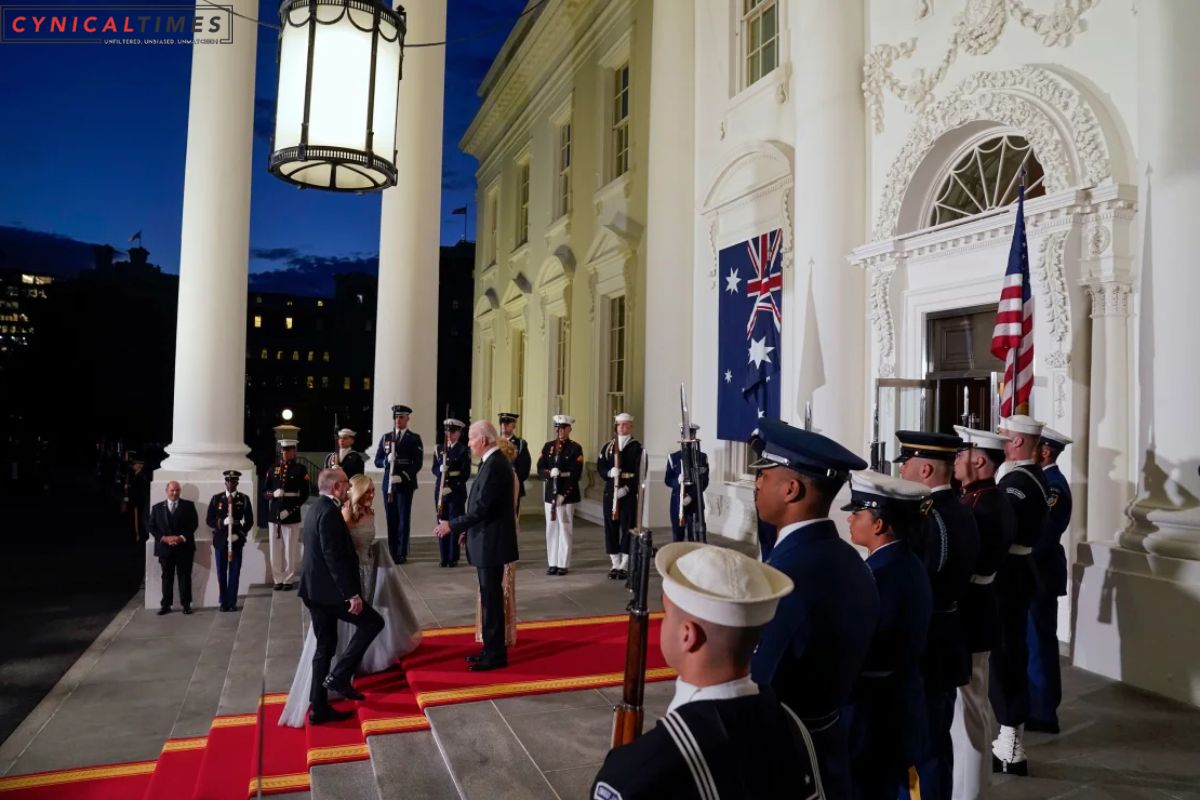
1022, 423
450, 423
1052, 436
284, 444
720, 585
879, 492
985, 440
623, 417
563, 419
346, 432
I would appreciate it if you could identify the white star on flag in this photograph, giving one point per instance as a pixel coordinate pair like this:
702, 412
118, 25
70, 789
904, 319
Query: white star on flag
728, 376
759, 352
731, 281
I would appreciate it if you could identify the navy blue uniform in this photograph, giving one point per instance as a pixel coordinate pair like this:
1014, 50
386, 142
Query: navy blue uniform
228, 555
671, 478
813, 650
1050, 569
887, 720
1008, 685
523, 462
997, 529
455, 463
629, 459
409, 452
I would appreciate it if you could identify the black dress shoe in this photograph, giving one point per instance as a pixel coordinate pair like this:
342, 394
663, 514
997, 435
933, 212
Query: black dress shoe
224, 608
187, 609
552, 571
164, 610
319, 716
344, 689
454, 563
443, 564
279, 587
401, 560
1010, 767
562, 570
287, 587
475, 658
622, 574
612, 574
1041, 725
485, 664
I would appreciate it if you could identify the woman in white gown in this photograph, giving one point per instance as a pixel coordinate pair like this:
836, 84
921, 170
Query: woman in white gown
382, 584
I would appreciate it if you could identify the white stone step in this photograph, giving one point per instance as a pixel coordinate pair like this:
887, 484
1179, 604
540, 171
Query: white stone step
353, 780
409, 766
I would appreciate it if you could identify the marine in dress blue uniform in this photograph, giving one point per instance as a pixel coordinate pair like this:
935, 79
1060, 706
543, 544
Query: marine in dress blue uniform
618, 464
229, 512
451, 468
975, 468
1050, 568
886, 720
813, 650
1025, 487
523, 463
722, 735
399, 455
691, 505
947, 541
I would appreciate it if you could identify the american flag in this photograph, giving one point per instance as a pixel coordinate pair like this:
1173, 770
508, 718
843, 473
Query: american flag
1012, 338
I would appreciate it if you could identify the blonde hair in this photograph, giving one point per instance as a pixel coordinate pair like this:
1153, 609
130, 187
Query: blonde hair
360, 487
508, 448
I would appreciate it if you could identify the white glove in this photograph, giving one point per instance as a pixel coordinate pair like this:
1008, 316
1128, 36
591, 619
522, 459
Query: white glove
554, 472
622, 491
687, 500
560, 499
283, 514
391, 458
445, 491
225, 522
277, 493
614, 472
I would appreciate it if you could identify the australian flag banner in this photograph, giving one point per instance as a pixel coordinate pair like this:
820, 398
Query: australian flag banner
749, 319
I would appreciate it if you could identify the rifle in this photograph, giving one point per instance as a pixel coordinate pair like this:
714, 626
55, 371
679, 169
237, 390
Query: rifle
229, 529
628, 714
878, 448
554, 480
441, 482
689, 471
616, 453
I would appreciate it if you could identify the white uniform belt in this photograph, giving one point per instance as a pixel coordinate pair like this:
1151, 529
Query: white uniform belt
1019, 550
628, 474
950, 609
983, 580
291, 494
817, 724
396, 479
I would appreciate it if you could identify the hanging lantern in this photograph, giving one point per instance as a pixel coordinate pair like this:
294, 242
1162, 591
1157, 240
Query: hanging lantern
335, 108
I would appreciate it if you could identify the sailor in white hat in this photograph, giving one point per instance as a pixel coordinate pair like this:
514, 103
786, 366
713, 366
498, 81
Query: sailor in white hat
685, 501
619, 464
1025, 487
722, 735
346, 457
561, 467
1050, 564
285, 490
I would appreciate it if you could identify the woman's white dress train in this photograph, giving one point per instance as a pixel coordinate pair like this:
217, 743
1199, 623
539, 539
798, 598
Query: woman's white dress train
400, 636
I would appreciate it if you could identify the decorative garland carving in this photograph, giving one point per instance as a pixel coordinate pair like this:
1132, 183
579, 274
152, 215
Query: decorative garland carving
1053, 285
881, 317
977, 29
1060, 394
1023, 98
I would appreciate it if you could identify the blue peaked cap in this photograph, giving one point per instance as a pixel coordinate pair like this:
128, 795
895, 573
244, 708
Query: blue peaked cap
804, 451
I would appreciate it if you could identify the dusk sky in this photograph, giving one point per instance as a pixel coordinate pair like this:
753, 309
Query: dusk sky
94, 137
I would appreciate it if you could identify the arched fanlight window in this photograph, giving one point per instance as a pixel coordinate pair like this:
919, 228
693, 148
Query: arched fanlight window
987, 177
335, 113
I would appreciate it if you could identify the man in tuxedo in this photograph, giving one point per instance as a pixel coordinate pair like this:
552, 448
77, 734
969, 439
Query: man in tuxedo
329, 586
173, 524
490, 526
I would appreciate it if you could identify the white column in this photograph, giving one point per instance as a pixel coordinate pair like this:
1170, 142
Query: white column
670, 217
1108, 456
406, 318
830, 218
1168, 508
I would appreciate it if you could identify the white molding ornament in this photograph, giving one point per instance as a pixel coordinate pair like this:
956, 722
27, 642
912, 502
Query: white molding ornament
1052, 282
882, 327
1052, 114
1109, 298
977, 29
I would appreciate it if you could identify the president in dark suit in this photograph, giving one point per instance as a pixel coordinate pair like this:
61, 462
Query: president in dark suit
490, 525
329, 586
173, 524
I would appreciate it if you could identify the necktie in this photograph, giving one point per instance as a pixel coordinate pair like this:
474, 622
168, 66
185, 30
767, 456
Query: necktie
172, 508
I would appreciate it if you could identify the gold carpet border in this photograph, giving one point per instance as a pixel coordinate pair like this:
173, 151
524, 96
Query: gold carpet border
393, 724
179, 745
340, 752
61, 776
235, 721
450, 696
540, 624
272, 784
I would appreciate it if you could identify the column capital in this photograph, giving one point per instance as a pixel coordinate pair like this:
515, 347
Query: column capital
1110, 298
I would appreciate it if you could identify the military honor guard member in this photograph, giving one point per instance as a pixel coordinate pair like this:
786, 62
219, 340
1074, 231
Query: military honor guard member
346, 457
451, 468
766, 531
399, 455
561, 468
813, 649
285, 491
619, 461
523, 461
173, 524
688, 496
975, 468
887, 720
722, 736
947, 541
1025, 487
1050, 568
231, 517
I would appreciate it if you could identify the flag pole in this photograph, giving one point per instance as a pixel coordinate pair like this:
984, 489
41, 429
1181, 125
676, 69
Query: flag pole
466, 215
1023, 408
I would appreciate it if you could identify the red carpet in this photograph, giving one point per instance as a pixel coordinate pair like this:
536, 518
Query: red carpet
550, 656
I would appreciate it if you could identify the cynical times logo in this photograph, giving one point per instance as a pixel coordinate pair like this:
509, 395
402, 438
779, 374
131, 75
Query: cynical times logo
116, 24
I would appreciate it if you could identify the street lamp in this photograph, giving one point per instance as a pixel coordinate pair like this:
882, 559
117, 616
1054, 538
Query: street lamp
287, 415
335, 107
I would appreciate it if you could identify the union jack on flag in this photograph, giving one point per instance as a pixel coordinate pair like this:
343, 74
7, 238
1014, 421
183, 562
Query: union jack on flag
1012, 338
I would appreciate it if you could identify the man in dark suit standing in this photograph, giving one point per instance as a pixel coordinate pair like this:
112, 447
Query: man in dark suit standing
173, 524
491, 531
329, 586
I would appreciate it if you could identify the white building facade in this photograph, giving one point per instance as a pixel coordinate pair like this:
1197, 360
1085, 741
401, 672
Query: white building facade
885, 138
